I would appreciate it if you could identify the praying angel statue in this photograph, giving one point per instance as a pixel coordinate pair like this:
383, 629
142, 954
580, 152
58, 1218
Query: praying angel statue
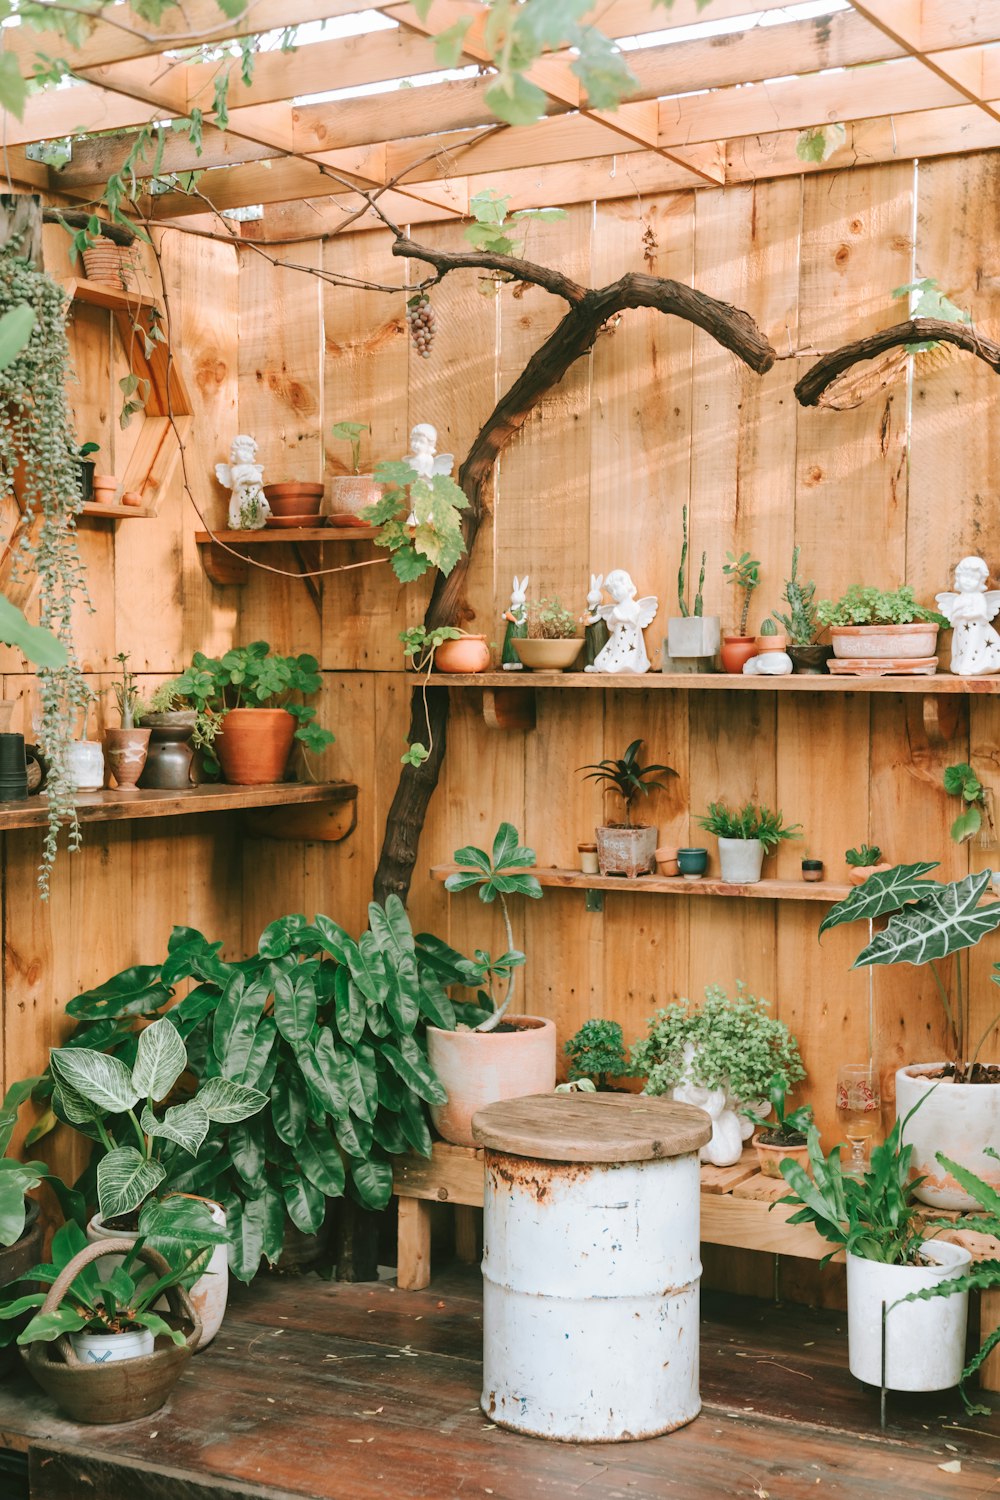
248, 507
975, 645
626, 618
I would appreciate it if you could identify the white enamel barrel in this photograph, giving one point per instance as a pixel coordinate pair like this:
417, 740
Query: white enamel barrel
591, 1268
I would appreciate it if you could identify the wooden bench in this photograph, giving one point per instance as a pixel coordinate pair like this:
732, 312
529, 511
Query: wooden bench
735, 1211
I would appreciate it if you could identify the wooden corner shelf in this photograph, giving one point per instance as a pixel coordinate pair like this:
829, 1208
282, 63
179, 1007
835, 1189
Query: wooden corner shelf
676, 885
101, 512
115, 806
227, 569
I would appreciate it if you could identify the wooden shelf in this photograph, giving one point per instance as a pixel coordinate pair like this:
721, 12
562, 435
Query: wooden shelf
101, 512
117, 807
287, 534
96, 294
941, 683
229, 568
676, 885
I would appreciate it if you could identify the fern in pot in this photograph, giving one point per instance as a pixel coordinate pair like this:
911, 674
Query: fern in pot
626, 848
745, 835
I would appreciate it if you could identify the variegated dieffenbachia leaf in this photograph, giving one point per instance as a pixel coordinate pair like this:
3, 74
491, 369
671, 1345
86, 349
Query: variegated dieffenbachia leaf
945, 920
185, 1124
227, 1102
124, 1178
161, 1058
885, 892
102, 1080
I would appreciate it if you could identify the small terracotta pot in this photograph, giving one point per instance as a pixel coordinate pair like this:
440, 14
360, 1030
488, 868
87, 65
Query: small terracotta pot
469, 653
254, 744
737, 649
772, 642
349, 494
125, 752
132, 497
769, 1158
858, 874
478, 1068
666, 861
294, 498
105, 488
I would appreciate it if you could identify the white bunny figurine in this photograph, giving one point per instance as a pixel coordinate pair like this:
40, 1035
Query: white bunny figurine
517, 624
595, 629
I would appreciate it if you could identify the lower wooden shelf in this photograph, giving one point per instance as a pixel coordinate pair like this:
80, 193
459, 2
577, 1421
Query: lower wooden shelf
115, 806
676, 885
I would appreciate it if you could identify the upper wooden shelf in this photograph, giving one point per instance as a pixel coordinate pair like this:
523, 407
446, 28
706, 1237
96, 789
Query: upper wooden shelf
98, 295
117, 807
676, 885
942, 682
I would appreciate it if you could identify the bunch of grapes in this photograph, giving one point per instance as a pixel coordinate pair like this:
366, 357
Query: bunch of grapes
420, 316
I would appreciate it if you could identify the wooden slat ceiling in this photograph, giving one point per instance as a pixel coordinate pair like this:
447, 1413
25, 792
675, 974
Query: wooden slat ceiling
905, 78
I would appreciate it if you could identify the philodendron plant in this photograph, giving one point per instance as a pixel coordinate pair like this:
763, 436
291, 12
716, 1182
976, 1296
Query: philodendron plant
928, 921
507, 873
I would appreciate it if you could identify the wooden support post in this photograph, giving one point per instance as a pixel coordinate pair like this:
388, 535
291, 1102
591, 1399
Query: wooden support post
466, 1234
413, 1269
989, 1318
509, 708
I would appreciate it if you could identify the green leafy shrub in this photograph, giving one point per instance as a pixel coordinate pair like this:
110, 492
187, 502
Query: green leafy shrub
549, 621
597, 1051
504, 873
748, 822
419, 520
871, 606
860, 859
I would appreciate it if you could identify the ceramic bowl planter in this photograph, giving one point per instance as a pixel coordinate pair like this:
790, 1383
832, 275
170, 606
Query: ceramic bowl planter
470, 653
958, 1119
169, 757
294, 498
740, 861
692, 643
692, 863
737, 649
254, 744
121, 1389
622, 850
924, 1341
125, 751
105, 1348
770, 1156
812, 869
349, 494
851, 642
811, 660
477, 1068
548, 656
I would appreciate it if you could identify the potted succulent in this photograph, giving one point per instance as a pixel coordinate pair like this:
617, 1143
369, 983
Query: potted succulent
745, 835
721, 1056
350, 492
98, 1324
770, 638
625, 848
800, 624
870, 624
864, 861
553, 642
785, 1138
907, 1345
490, 1055
693, 638
738, 647
597, 1052
928, 921
248, 693
126, 747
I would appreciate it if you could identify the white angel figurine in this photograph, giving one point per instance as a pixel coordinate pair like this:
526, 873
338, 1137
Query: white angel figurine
975, 646
423, 441
626, 618
248, 507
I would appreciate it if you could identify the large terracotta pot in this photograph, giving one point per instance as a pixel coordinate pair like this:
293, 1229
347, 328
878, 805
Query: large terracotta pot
125, 751
737, 649
958, 1119
851, 642
349, 493
477, 1068
294, 497
254, 744
469, 653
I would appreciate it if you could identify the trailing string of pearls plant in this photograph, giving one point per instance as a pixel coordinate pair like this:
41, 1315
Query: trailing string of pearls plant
37, 465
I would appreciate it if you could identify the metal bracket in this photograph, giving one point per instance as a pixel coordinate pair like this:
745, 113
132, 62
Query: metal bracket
593, 901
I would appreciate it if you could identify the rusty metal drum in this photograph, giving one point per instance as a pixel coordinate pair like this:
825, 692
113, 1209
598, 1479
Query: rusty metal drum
591, 1265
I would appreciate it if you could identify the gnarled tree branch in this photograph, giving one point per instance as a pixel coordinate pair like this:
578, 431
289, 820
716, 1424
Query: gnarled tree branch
914, 331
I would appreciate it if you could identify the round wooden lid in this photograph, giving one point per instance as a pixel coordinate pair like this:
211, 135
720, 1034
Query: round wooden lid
592, 1127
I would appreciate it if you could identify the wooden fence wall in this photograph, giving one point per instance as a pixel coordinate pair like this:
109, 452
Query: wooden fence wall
896, 490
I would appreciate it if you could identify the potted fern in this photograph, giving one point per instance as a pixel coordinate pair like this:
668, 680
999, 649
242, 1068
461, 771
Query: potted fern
745, 835
625, 848
693, 638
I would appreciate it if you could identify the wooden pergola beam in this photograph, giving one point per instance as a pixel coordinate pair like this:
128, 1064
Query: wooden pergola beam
902, 21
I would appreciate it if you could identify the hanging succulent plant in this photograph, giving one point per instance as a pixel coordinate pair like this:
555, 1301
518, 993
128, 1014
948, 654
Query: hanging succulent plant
38, 465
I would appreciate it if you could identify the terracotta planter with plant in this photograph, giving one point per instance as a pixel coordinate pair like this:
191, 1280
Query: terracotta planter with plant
294, 497
929, 920
491, 1055
745, 835
445, 649
872, 624
553, 642
625, 848
125, 748
864, 861
350, 493
785, 1137
738, 647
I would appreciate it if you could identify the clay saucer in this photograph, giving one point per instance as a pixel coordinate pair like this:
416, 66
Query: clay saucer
290, 523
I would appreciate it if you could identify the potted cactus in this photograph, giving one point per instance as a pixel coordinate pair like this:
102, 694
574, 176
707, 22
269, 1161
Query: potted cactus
693, 638
801, 624
738, 647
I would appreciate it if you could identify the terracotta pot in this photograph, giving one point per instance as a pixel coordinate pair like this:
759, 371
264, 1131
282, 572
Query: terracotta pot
853, 641
958, 1119
737, 649
111, 265
626, 851
170, 756
349, 494
858, 874
133, 498
254, 744
769, 1158
477, 1068
777, 642
121, 1391
294, 498
125, 752
666, 861
469, 653
548, 656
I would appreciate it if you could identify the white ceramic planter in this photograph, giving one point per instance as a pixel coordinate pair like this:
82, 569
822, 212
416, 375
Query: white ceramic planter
851, 642
694, 635
924, 1341
740, 861
209, 1293
85, 764
958, 1119
108, 1348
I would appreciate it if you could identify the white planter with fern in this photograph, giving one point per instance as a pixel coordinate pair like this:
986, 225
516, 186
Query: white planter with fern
741, 860
924, 1341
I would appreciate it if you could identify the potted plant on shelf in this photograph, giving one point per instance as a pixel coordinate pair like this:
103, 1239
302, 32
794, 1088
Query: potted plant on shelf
597, 1052
553, 642
961, 781
126, 747
745, 835
446, 648
87, 466
770, 638
875, 1220
801, 624
928, 921
785, 1138
625, 848
491, 1054
872, 625
248, 693
351, 492
738, 647
721, 1056
174, 733
864, 861
693, 638
98, 1325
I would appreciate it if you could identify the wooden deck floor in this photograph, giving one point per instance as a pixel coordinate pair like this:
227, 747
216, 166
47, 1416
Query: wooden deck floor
367, 1393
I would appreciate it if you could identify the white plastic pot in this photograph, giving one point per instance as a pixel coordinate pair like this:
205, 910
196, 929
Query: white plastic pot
740, 861
694, 635
209, 1293
108, 1348
924, 1341
958, 1119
